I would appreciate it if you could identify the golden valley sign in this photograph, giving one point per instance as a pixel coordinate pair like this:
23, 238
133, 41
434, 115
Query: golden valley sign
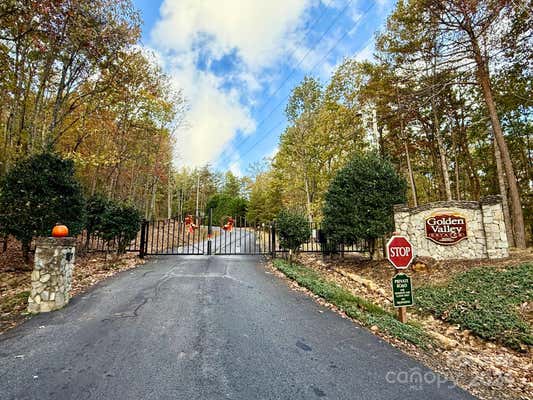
446, 229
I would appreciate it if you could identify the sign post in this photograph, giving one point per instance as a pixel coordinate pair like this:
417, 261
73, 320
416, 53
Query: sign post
400, 254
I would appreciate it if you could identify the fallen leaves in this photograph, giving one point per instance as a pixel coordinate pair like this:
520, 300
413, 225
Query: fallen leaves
489, 371
15, 282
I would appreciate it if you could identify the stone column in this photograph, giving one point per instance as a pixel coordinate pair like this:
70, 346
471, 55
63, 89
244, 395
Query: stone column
52, 274
494, 225
402, 219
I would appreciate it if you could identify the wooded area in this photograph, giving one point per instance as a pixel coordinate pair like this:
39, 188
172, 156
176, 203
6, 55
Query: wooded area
74, 81
448, 100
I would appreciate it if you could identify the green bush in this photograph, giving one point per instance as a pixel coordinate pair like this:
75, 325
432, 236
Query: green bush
358, 203
119, 224
96, 209
485, 301
37, 193
293, 229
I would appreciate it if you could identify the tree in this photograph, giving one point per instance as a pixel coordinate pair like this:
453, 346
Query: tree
293, 229
74, 82
325, 128
232, 185
297, 142
96, 209
477, 36
36, 194
224, 206
265, 199
120, 224
360, 198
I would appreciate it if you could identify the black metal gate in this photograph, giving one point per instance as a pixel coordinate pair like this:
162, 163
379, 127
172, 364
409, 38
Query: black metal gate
198, 236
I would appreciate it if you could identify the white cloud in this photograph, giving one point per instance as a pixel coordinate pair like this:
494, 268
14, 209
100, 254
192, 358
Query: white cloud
257, 34
192, 30
366, 53
214, 118
255, 29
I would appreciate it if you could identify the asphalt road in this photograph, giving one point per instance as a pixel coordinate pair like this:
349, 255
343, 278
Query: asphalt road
236, 241
204, 328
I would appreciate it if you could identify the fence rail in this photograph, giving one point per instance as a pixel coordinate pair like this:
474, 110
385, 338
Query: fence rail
176, 237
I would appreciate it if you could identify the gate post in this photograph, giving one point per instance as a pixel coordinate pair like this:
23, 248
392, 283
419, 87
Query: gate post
273, 233
142, 245
209, 232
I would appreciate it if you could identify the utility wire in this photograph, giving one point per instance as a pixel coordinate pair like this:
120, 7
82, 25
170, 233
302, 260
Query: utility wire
264, 136
294, 69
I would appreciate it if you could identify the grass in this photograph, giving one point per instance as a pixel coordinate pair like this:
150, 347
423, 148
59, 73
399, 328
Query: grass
15, 301
367, 313
485, 301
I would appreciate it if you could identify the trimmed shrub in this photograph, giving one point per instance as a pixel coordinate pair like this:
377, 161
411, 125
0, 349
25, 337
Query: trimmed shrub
119, 224
96, 208
358, 204
293, 229
36, 194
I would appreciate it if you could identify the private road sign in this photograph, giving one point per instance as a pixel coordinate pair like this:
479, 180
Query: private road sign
402, 293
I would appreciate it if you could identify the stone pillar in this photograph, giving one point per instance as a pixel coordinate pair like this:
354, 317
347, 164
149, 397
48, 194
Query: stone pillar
52, 274
494, 226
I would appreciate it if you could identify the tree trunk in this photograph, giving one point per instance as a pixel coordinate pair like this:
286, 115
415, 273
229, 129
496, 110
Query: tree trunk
152, 201
456, 167
437, 180
442, 154
503, 191
169, 194
473, 183
405, 141
26, 251
411, 175
484, 81
308, 199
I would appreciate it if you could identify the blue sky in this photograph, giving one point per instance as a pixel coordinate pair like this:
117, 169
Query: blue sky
237, 61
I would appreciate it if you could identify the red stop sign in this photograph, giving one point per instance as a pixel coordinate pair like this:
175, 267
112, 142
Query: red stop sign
400, 252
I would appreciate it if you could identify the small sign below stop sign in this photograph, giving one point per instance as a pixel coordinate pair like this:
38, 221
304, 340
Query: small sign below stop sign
400, 252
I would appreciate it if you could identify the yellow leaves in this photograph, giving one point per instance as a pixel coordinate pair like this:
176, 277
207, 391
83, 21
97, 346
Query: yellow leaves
94, 160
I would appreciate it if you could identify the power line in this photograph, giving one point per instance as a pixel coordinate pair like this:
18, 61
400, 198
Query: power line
264, 136
294, 69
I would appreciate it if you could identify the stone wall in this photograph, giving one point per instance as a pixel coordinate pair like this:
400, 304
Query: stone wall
485, 226
52, 274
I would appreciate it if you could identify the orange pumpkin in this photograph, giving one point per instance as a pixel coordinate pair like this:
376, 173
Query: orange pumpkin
59, 231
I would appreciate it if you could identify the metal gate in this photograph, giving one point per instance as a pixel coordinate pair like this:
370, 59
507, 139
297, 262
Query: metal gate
198, 236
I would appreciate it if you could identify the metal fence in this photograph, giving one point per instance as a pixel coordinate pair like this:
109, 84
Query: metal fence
200, 237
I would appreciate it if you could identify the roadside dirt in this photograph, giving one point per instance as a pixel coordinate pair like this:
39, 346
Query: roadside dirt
15, 281
487, 370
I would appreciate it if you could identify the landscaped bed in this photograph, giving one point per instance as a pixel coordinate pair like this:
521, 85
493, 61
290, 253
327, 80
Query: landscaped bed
479, 338
368, 313
494, 303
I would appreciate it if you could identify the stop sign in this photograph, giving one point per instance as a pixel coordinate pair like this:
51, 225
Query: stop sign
400, 252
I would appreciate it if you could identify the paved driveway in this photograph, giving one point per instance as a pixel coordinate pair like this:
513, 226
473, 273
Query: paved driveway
204, 328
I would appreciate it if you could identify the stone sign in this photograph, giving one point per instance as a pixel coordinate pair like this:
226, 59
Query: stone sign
446, 229
469, 229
